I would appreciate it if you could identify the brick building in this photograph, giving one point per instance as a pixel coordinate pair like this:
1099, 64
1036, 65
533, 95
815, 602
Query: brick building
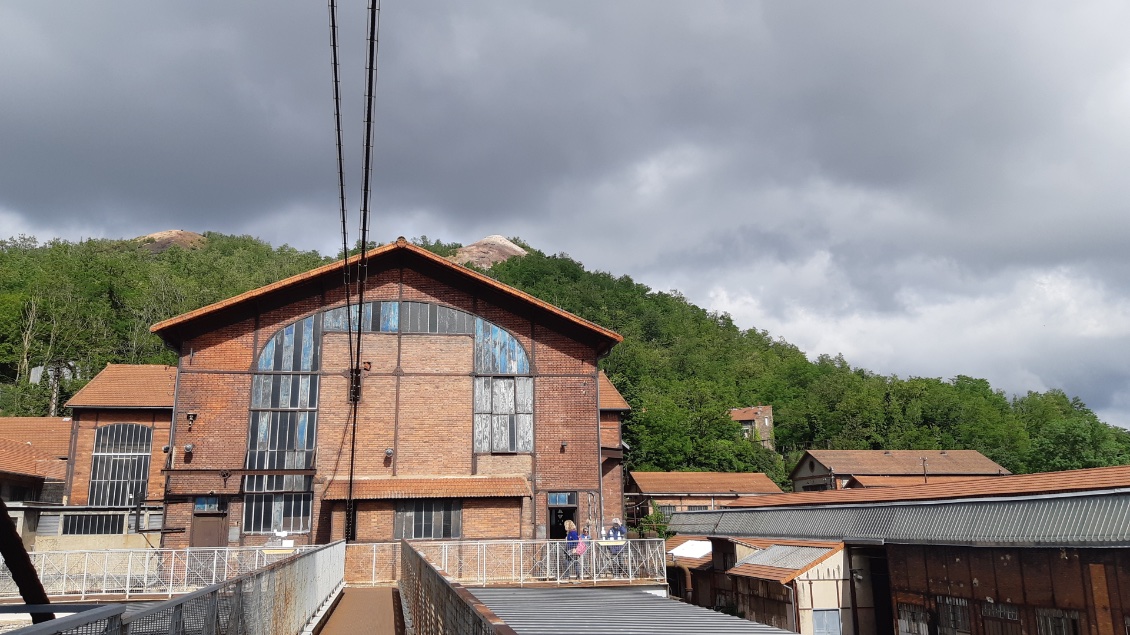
479, 412
843, 469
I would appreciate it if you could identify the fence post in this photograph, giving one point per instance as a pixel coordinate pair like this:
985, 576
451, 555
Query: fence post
373, 571
129, 573
211, 613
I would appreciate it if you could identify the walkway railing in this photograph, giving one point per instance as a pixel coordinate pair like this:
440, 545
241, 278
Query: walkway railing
279, 598
372, 563
130, 572
435, 605
531, 561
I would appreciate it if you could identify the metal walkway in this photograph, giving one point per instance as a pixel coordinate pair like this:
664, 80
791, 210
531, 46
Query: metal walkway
372, 610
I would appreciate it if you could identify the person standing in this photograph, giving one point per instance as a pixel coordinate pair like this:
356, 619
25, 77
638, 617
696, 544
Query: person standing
572, 539
616, 533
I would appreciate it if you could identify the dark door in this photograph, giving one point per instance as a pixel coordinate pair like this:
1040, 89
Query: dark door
209, 530
557, 518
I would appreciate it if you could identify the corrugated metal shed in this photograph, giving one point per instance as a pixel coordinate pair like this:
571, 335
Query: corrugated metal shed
784, 556
599, 611
1066, 520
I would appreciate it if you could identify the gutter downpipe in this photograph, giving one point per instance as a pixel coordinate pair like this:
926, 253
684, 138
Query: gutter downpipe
791, 586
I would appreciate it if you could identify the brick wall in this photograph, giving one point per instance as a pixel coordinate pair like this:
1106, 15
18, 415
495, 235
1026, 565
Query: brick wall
86, 424
416, 399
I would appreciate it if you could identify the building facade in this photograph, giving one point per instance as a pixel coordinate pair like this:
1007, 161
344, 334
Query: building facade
842, 469
478, 411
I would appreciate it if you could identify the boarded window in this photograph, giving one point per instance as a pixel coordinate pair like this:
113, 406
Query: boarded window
1057, 622
1000, 619
503, 414
953, 616
913, 619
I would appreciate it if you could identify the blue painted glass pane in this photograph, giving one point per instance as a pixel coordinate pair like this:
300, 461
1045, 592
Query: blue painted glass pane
334, 319
288, 348
390, 317
308, 344
367, 317
267, 357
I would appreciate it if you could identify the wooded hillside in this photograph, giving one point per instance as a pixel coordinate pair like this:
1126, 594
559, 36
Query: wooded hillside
72, 308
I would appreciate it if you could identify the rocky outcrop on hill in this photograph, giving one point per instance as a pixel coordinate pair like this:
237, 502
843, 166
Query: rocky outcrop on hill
487, 252
160, 241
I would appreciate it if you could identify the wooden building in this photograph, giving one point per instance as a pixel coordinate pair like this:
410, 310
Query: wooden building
1035, 554
670, 492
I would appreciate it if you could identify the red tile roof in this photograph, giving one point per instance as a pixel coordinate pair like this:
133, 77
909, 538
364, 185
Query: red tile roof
610, 398
50, 435
707, 483
128, 386
864, 480
1099, 478
19, 457
175, 329
903, 462
750, 413
431, 487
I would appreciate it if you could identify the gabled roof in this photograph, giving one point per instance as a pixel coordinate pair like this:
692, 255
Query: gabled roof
128, 386
50, 435
610, 398
19, 457
1100, 478
902, 462
704, 483
397, 487
393, 255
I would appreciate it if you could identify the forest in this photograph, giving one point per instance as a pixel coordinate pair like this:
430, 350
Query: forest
68, 309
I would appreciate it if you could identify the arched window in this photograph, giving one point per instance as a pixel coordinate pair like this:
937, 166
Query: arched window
119, 475
283, 430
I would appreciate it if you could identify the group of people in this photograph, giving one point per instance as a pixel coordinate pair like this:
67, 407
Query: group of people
578, 544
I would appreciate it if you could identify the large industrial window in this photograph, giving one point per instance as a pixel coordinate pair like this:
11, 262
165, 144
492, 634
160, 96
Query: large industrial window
429, 518
283, 430
953, 616
913, 619
999, 618
269, 513
1057, 622
120, 469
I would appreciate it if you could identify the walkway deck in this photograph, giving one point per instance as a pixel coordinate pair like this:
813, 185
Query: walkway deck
370, 610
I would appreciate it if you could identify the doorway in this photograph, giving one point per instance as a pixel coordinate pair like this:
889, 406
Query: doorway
562, 507
209, 523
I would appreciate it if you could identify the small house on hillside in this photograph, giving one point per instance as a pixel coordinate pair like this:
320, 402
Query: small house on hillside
756, 422
843, 469
669, 492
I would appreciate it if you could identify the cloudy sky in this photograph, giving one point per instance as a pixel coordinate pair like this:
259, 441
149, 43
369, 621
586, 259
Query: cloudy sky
931, 189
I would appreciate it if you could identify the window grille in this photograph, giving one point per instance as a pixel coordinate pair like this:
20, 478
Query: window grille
119, 474
268, 513
1000, 619
1057, 622
666, 510
697, 508
75, 524
504, 414
912, 619
429, 518
953, 616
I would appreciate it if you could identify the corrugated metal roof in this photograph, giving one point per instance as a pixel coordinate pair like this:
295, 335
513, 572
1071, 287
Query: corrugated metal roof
784, 556
1076, 520
592, 611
